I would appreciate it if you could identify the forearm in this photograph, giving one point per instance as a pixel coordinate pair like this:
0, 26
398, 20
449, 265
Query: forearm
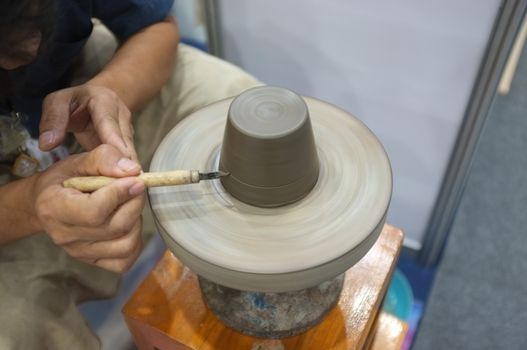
17, 215
142, 64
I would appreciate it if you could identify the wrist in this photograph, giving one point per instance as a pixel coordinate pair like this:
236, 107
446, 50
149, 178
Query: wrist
108, 80
17, 210
31, 195
103, 79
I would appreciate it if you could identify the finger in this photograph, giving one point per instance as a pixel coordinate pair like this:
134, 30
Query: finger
80, 124
55, 118
119, 248
104, 114
79, 118
88, 138
118, 225
110, 197
106, 160
120, 265
127, 131
125, 216
95, 209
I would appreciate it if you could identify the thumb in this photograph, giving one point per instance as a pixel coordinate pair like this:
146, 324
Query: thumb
106, 160
108, 198
55, 118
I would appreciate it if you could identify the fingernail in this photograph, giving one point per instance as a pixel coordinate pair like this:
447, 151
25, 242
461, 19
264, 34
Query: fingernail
127, 165
137, 189
46, 138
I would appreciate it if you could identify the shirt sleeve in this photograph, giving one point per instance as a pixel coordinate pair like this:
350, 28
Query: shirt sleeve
126, 17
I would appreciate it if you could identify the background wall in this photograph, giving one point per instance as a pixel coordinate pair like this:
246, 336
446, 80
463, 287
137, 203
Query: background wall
191, 22
406, 68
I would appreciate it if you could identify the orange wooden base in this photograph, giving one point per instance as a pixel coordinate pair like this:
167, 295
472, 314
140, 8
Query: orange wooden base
167, 312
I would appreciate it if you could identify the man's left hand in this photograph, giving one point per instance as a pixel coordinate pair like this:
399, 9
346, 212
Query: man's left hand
95, 114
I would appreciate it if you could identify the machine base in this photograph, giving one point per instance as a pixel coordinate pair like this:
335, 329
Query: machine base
271, 315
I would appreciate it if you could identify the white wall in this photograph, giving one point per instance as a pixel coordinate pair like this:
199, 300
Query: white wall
406, 68
190, 19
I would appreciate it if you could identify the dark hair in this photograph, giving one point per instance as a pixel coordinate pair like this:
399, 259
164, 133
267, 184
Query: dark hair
20, 19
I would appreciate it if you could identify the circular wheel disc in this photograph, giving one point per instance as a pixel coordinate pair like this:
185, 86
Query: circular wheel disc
274, 249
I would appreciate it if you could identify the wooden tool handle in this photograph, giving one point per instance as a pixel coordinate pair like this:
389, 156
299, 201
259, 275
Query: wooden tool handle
166, 178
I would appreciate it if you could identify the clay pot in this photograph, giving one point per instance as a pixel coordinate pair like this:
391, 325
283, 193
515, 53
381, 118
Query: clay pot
269, 148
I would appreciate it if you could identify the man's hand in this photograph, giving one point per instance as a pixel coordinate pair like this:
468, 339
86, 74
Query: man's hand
103, 228
94, 113
98, 112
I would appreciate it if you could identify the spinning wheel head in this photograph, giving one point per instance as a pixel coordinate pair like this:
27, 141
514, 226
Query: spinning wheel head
293, 213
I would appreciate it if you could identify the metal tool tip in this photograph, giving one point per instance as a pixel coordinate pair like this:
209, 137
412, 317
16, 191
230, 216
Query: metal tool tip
213, 175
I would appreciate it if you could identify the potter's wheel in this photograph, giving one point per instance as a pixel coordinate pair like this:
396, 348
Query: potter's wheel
274, 249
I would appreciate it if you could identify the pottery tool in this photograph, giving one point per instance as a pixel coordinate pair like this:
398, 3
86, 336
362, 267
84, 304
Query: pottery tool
271, 256
153, 179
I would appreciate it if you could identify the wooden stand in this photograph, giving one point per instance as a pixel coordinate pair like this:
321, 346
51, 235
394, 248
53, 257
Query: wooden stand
167, 312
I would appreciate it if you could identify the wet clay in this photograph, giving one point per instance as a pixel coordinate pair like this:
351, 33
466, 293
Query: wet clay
269, 148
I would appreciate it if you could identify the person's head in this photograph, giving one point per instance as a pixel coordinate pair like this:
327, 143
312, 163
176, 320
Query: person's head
25, 26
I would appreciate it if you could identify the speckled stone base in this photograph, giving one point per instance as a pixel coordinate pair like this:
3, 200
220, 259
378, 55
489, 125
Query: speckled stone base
271, 315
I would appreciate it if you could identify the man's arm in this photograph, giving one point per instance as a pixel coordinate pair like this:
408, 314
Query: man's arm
16, 211
142, 64
100, 110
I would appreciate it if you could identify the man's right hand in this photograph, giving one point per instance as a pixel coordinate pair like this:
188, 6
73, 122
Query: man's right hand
102, 228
